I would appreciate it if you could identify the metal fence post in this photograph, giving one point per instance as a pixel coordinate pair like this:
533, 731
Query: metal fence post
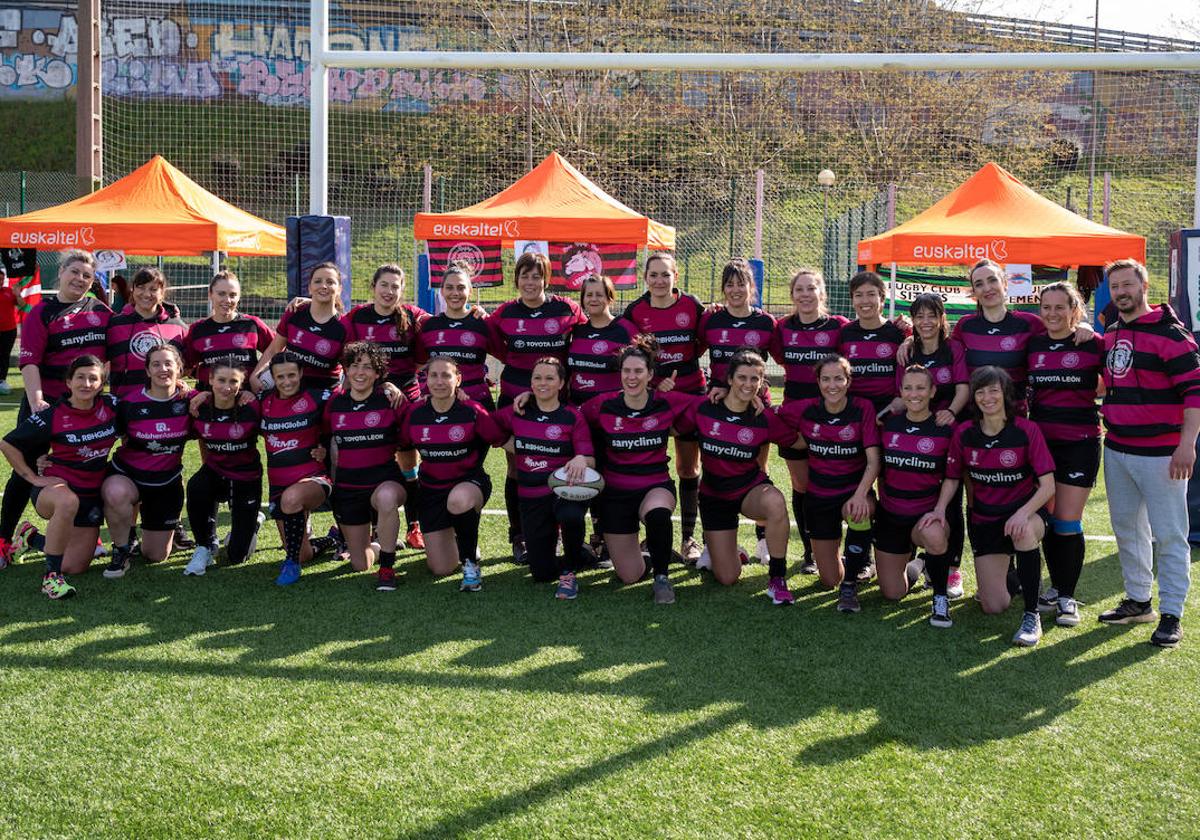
23, 173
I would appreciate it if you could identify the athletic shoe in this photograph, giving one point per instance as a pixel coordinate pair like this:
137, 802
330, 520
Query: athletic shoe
1128, 611
954, 584
181, 539
289, 573
7, 554
689, 551
704, 561
55, 586
100, 551
912, 571
567, 587
26, 531
662, 590
202, 558
809, 566
940, 617
472, 578
778, 592
5, 388
518, 553
1066, 612
385, 579
743, 556
762, 553
1048, 601
847, 601
866, 572
415, 538
1168, 634
1030, 631
118, 565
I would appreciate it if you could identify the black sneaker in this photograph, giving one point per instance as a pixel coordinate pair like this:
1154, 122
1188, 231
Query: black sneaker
848, 598
181, 538
1168, 634
809, 566
118, 564
518, 553
1129, 611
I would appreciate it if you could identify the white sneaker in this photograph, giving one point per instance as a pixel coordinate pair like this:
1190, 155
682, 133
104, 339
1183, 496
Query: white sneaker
1030, 631
705, 560
5, 388
954, 584
201, 559
1066, 613
763, 553
689, 550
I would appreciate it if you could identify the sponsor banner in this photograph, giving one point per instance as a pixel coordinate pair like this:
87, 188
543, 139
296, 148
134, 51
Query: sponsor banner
957, 293
483, 258
572, 261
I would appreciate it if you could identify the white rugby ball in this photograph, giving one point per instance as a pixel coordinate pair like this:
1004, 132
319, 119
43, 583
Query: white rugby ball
580, 491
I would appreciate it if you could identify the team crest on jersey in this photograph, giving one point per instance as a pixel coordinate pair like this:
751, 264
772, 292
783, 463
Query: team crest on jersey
457, 433
468, 339
178, 408
847, 433
599, 347
324, 346
1120, 358
925, 445
239, 339
93, 319
822, 339
883, 351
143, 343
753, 339
683, 320
650, 423
236, 430
373, 419
554, 432
1071, 360
1008, 458
746, 435
1008, 343
300, 406
942, 375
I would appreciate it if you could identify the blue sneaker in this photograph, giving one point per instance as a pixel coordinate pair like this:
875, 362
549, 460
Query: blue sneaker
472, 578
568, 588
289, 573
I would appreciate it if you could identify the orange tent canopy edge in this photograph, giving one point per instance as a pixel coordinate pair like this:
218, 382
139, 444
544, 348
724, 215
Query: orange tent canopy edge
155, 210
554, 202
992, 215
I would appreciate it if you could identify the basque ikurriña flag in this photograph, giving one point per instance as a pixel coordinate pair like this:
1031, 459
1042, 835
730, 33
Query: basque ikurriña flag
572, 261
483, 259
27, 290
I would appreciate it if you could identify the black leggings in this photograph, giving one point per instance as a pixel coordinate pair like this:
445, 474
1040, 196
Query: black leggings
205, 490
16, 491
540, 520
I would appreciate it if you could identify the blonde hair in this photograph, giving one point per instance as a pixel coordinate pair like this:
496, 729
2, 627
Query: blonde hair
819, 278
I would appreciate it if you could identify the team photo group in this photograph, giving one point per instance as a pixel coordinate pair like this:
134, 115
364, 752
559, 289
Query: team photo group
905, 441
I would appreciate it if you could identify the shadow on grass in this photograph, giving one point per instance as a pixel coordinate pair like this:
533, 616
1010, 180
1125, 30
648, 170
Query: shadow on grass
722, 649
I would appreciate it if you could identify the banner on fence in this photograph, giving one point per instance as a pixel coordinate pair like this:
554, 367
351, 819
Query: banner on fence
956, 293
573, 261
483, 259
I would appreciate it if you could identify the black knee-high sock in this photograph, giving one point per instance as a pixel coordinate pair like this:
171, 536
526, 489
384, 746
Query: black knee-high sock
293, 535
387, 559
1052, 548
958, 530
12, 506
512, 507
760, 531
571, 518
466, 534
1070, 550
412, 489
1029, 570
858, 553
937, 566
798, 513
54, 563
689, 506
777, 567
658, 539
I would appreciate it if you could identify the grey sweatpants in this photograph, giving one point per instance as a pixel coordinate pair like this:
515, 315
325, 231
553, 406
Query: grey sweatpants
1144, 502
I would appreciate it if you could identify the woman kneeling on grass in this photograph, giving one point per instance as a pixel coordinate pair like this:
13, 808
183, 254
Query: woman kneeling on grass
547, 435
367, 482
79, 430
915, 445
451, 434
843, 444
231, 469
1010, 478
732, 433
147, 468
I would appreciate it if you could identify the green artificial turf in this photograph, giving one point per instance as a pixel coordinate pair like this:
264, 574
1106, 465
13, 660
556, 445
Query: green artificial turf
159, 705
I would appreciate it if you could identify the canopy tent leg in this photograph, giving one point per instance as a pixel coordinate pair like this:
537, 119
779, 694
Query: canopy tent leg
892, 293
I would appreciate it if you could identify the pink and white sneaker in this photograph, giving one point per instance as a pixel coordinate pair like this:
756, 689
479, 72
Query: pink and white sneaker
778, 592
954, 584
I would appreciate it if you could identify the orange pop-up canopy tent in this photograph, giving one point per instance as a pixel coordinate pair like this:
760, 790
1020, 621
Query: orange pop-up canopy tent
155, 210
554, 202
994, 216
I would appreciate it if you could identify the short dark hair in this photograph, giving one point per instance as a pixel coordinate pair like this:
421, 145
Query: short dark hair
985, 377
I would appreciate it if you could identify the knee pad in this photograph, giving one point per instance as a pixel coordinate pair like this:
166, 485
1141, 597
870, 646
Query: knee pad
1066, 527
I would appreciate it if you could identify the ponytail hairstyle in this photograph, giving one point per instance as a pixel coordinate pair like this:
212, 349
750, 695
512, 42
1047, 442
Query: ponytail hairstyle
833, 359
1078, 311
667, 258
819, 280
223, 274
606, 283
643, 346
922, 371
745, 357
996, 267
337, 299
403, 320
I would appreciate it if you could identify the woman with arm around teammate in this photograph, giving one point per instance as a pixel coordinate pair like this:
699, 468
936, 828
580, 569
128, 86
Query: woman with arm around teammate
452, 436
226, 335
146, 322
915, 445
60, 328
547, 435
460, 333
842, 438
524, 330
732, 433
673, 318
147, 469
870, 343
312, 333
230, 470
362, 424
1063, 380
801, 340
635, 424
78, 430
1010, 479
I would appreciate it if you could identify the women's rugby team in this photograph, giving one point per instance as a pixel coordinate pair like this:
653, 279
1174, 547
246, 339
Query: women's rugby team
915, 437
